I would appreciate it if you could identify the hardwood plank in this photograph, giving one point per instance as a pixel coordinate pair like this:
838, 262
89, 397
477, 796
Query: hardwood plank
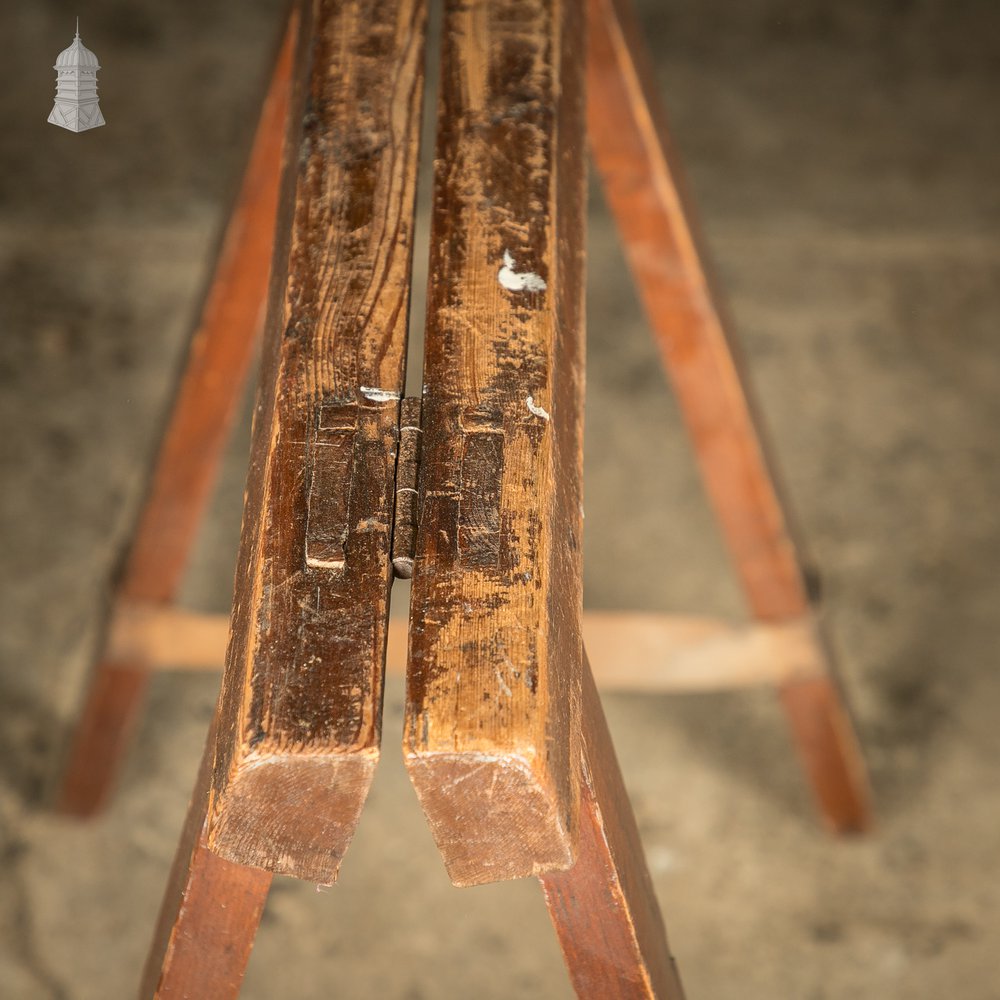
645, 192
204, 408
301, 702
209, 916
604, 908
493, 677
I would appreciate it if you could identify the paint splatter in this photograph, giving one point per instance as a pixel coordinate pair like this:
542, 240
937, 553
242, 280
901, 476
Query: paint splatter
514, 281
378, 395
538, 411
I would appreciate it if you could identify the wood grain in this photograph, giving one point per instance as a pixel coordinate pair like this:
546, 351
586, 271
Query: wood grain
204, 408
209, 916
495, 649
301, 702
655, 219
604, 908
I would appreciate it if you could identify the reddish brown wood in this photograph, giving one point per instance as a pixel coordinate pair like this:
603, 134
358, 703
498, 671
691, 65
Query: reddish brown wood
204, 408
491, 731
301, 706
102, 736
604, 908
209, 916
655, 219
827, 746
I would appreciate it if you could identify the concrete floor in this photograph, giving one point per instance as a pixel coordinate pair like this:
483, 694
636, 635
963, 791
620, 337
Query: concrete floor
845, 159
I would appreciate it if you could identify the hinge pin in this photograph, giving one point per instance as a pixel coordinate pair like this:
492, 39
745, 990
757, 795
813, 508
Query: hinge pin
404, 533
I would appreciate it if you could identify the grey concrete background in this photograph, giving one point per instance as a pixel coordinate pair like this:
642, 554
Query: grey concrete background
845, 158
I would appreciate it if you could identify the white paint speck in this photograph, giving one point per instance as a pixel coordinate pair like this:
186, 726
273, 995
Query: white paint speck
538, 411
378, 395
513, 281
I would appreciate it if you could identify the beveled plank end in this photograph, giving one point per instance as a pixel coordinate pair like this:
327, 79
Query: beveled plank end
292, 814
491, 738
513, 824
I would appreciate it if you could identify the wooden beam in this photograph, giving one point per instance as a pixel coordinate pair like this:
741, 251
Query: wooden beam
491, 732
604, 908
632, 651
209, 916
163, 637
301, 703
642, 184
629, 650
655, 218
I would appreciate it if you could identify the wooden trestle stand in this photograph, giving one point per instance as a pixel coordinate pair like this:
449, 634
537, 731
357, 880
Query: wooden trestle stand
475, 490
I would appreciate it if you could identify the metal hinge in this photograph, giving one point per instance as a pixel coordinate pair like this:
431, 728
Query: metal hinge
404, 528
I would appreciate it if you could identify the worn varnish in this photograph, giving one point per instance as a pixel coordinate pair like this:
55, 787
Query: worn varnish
641, 182
209, 916
205, 405
491, 730
604, 908
301, 701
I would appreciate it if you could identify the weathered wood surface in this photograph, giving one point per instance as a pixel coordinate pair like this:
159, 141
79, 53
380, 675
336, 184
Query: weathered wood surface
491, 731
642, 184
209, 916
302, 690
604, 908
628, 650
205, 405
